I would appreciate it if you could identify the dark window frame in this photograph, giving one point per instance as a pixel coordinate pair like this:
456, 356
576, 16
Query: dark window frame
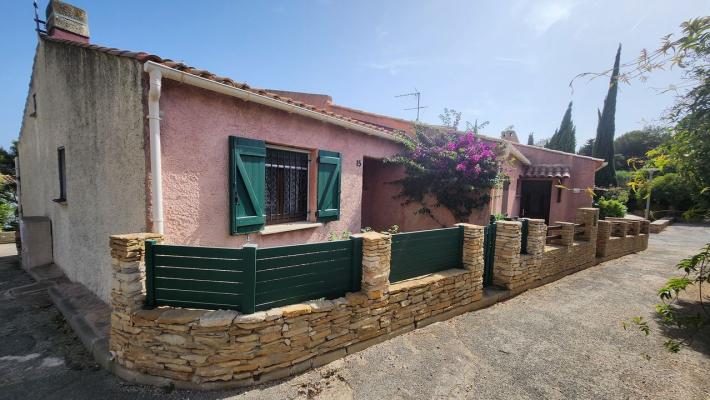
286, 197
62, 175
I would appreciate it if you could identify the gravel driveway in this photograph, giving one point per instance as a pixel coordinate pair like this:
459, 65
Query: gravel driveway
560, 341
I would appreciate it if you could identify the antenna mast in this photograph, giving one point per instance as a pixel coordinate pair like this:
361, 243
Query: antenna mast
39, 21
418, 95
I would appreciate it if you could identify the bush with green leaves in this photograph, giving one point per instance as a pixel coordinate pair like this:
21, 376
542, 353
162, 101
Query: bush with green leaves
672, 310
7, 215
623, 177
616, 193
668, 191
611, 208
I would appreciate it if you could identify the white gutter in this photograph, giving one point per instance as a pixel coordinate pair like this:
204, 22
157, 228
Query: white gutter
156, 168
204, 83
604, 164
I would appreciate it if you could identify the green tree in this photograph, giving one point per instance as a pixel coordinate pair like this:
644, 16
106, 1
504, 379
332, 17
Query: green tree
531, 139
8, 186
687, 153
564, 137
635, 144
586, 149
604, 142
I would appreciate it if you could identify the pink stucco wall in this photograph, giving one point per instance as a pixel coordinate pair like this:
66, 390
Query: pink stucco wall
195, 127
194, 132
382, 209
581, 176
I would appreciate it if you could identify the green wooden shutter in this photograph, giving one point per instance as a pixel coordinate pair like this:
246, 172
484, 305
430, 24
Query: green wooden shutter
328, 186
246, 184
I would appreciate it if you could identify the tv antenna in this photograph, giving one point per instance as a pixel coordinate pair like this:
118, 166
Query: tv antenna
39, 21
418, 95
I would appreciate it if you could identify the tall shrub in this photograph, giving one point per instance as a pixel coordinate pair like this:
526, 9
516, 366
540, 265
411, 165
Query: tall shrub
604, 142
564, 138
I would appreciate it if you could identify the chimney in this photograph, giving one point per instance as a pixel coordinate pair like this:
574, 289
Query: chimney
510, 135
64, 21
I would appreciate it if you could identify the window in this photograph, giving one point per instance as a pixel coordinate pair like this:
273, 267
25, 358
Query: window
34, 105
270, 185
62, 171
286, 194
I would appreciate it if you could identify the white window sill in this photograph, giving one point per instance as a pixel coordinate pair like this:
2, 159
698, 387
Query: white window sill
291, 226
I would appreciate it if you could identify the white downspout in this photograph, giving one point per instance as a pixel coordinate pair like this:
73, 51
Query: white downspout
155, 162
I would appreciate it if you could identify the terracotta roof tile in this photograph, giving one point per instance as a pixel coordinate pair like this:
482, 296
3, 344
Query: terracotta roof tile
145, 57
547, 171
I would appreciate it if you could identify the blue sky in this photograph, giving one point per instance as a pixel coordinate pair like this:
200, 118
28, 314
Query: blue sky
507, 62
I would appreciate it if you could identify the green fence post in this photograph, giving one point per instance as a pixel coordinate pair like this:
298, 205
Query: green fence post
356, 264
524, 237
149, 273
249, 295
489, 248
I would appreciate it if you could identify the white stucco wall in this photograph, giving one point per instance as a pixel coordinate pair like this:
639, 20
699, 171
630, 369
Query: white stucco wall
90, 103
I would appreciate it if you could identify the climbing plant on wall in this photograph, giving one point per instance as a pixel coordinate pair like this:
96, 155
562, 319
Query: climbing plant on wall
447, 168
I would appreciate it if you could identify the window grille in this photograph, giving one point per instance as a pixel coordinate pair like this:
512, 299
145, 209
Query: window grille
286, 195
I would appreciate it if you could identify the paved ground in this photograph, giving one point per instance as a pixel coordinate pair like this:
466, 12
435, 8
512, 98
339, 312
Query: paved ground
563, 340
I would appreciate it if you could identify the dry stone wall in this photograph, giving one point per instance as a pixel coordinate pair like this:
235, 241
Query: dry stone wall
582, 244
223, 348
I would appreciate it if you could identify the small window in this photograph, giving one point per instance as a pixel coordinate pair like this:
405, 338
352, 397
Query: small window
286, 197
34, 105
62, 172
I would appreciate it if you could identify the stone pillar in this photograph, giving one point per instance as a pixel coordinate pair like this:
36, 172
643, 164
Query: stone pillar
473, 255
376, 257
128, 282
506, 264
567, 233
537, 231
634, 227
603, 234
645, 226
588, 217
531, 262
473, 248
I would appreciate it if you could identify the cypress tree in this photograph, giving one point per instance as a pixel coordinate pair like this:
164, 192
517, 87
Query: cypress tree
564, 138
531, 139
604, 142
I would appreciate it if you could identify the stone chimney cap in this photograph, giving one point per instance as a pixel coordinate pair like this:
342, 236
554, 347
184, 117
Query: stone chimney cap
68, 18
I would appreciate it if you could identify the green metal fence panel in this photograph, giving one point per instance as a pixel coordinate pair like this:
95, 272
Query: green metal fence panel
248, 299
489, 250
356, 264
425, 252
250, 279
198, 277
149, 274
291, 274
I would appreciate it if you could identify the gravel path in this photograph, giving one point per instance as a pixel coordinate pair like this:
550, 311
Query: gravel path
560, 341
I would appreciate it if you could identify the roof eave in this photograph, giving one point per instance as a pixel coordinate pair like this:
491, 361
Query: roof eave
557, 151
208, 84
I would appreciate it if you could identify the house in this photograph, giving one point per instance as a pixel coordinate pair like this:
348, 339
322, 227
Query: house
115, 141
